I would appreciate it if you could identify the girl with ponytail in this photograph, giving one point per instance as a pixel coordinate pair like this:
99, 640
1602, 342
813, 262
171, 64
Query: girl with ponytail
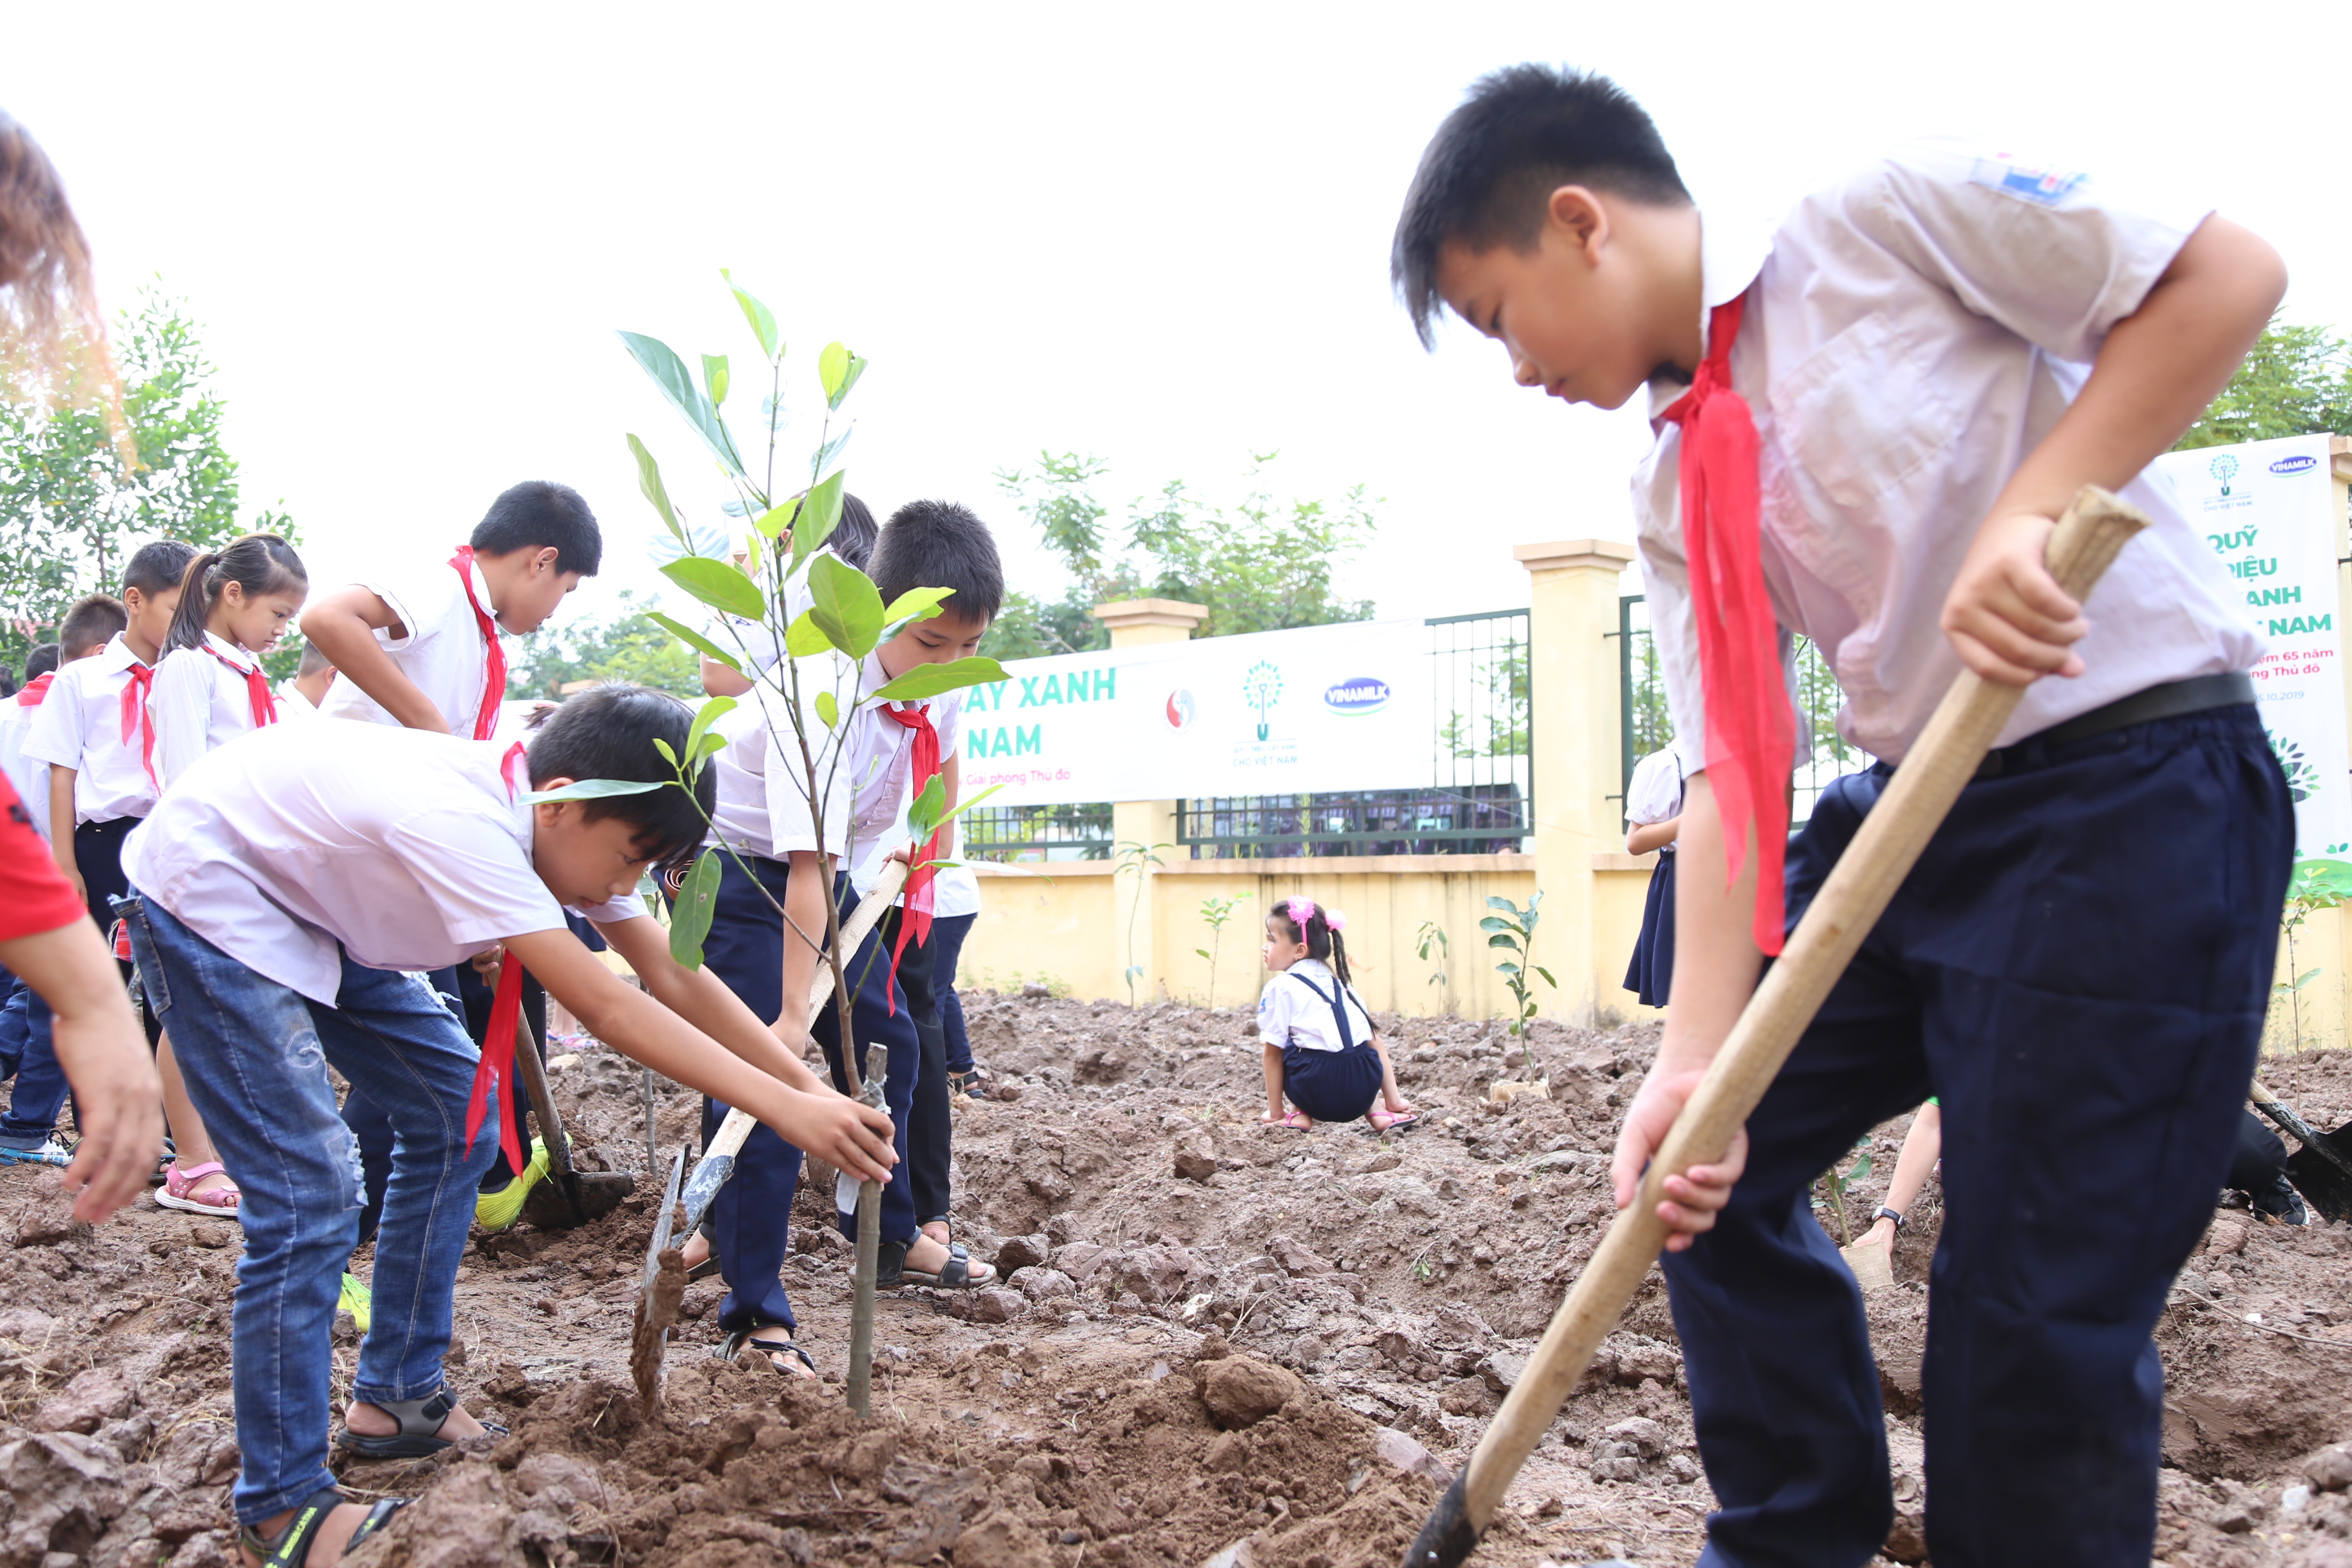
234, 603
1321, 1053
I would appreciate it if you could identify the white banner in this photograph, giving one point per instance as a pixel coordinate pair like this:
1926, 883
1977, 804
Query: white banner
1319, 708
2266, 508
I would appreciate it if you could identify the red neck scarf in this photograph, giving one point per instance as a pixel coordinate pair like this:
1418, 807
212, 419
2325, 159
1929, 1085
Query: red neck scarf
35, 690
1750, 733
494, 657
917, 921
257, 695
502, 1039
139, 681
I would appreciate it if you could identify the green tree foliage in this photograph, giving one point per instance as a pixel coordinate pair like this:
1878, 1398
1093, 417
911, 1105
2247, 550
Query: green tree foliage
624, 646
2295, 381
72, 509
1259, 564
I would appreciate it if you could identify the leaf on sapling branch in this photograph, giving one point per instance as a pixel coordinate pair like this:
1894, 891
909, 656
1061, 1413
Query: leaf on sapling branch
820, 514
1495, 903
690, 916
714, 377
721, 584
592, 789
805, 637
710, 714
694, 640
847, 606
662, 747
762, 320
649, 484
830, 453
829, 709
1495, 923
838, 370
772, 522
1504, 938
930, 680
659, 360
916, 604
923, 811
849, 380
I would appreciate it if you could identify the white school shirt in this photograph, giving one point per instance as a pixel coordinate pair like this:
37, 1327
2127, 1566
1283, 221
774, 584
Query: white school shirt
740, 771
955, 890
1288, 1013
27, 775
198, 702
443, 653
1654, 793
401, 847
80, 726
885, 759
1913, 333
292, 704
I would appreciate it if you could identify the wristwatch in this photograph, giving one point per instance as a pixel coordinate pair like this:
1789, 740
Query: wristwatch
1886, 1213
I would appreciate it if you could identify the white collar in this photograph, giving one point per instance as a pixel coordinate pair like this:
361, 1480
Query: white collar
116, 656
1731, 255
231, 654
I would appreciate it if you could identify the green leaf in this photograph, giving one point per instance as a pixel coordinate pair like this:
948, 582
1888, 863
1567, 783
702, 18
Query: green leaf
1547, 979
689, 917
714, 377
662, 747
694, 640
965, 806
649, 484
828, 708
833, 371
762, 320
923, 811
1506, 969
721, 584
1203, 951
848, 380
820, 514
593, 789
775, 520
1504, 904
669, 372
711, 744
1503, 938
710, 712
1496, 922
848, 607
916, 604
804, 636
930, 680
830, 453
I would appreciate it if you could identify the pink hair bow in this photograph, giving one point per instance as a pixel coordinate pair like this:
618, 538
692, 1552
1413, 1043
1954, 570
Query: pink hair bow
1335, 919
1300, 912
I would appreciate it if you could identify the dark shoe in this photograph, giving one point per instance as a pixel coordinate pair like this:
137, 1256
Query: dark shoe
735, 1343
420, 1429
2278, 1200
290, 1547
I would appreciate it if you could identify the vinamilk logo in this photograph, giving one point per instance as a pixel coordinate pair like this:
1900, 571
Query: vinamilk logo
1356, 695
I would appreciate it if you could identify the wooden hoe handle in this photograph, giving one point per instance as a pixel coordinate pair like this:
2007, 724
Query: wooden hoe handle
1965, 724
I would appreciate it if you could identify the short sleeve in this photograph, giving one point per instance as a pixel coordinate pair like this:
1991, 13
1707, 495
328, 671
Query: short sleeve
612, 912
34, 898
792, 824
420, 600
2053, 255
1276, 1006
58, 737
479, 878
1656, 793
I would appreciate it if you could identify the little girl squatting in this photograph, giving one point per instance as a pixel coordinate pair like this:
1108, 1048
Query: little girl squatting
1321, 1052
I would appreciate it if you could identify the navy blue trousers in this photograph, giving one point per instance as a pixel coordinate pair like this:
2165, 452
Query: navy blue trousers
2077, 967
880, 1015
948, 932
750, 1220
931, 1120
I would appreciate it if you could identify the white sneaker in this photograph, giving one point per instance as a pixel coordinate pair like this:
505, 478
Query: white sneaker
49, 1152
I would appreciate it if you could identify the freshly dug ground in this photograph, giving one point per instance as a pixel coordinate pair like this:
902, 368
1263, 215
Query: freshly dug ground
1220, 1342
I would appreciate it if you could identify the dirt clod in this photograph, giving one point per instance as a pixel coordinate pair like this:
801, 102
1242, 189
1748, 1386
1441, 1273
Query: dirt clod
1242, 1391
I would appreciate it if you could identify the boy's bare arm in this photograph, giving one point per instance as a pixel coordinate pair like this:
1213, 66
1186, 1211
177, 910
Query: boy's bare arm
703, 1000
1716, 968
849, 1136
343, 625
2158, 369
1648, 836
806, 892
62, 827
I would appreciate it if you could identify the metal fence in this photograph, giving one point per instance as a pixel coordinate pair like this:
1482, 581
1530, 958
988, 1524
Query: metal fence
1645, 726
1480, 797
1037, 832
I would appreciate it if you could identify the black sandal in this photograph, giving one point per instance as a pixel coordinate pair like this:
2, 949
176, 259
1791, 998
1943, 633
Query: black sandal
955, 1276
290, 1547
420, 1429
731, 1347
709, 1263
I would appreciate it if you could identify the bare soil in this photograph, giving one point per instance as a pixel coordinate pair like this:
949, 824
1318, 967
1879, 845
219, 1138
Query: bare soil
1219, 1342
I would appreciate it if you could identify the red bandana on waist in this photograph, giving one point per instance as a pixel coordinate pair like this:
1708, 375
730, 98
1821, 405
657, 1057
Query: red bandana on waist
917, 922
257, 695
1750, 733
494, 657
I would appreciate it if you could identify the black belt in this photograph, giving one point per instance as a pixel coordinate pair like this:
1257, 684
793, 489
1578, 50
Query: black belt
2169, 700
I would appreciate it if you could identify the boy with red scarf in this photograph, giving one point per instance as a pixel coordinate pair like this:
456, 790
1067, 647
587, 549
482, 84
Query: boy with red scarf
1866, 430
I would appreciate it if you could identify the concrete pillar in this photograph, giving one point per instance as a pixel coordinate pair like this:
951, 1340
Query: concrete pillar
1141, 623
1574, 682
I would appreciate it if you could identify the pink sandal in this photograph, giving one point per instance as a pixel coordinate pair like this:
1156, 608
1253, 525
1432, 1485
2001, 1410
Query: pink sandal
179, 1191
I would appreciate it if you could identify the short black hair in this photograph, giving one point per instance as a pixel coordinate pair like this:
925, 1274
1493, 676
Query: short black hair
608, 732
537, 513
1523, 132
97, 618
940, 544
314, 659
41, 661
157, 567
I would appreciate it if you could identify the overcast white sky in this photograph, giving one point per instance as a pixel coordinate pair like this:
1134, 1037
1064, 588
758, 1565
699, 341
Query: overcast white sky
1158, 235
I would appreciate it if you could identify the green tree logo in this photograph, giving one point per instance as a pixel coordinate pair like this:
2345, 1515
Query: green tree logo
2302, 777
2225, 469
1260, 688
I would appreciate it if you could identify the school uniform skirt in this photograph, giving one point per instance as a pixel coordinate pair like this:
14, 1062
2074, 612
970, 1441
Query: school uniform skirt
1654, 953
1331, 1086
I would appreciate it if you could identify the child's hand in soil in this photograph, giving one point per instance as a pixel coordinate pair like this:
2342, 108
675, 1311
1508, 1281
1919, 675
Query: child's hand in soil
846, 1135
1693, 1196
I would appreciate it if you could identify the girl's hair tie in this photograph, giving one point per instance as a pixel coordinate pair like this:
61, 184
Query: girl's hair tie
1335, 919
1300, 912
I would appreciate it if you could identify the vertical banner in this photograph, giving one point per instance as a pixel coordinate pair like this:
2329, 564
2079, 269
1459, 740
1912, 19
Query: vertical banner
2267, 509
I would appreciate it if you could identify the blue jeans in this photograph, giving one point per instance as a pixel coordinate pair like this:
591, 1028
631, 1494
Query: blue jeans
948, 932
371, 1124
2090, 1046
255, 1055
40, 1090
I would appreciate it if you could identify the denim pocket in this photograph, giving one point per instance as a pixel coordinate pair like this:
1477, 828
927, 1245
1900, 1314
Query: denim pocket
132, 912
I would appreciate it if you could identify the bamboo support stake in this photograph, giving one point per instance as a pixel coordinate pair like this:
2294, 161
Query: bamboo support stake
1949, 752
